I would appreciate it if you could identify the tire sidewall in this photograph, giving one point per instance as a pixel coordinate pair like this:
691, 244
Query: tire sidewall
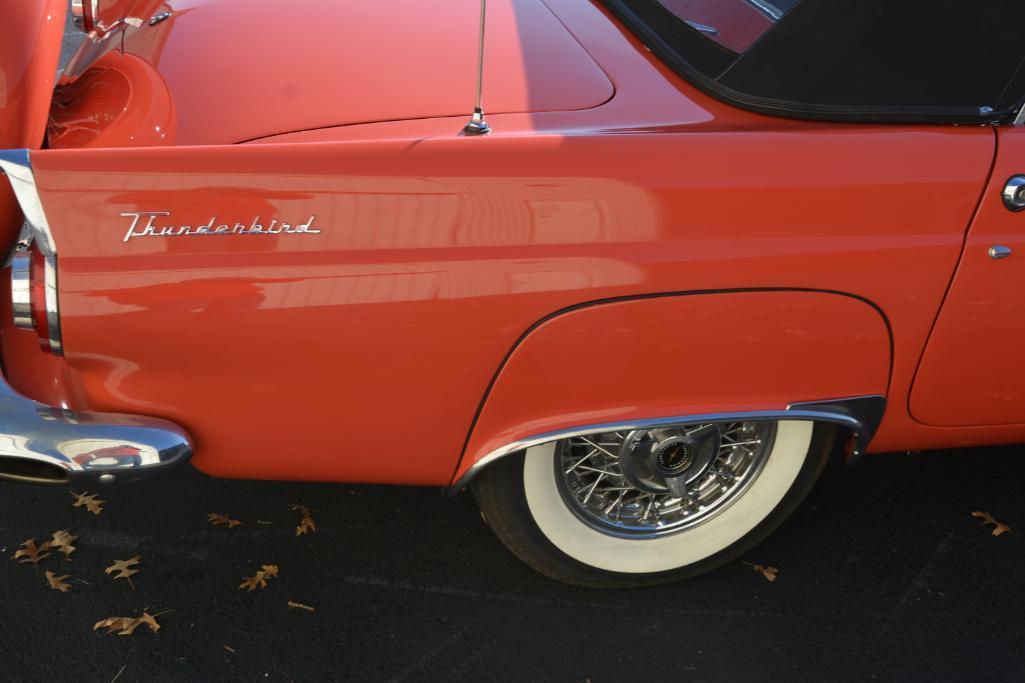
507, 486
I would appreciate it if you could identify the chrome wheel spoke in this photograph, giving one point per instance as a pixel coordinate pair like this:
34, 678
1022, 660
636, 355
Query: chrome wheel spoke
602, 482
597, 446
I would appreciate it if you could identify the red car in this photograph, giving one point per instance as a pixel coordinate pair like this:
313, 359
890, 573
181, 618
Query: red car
630, 281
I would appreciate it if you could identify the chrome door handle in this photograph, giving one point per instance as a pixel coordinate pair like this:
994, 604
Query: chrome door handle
999, 251
1014, 193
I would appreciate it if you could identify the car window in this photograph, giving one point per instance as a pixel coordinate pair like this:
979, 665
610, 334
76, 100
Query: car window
734, 24
959, 61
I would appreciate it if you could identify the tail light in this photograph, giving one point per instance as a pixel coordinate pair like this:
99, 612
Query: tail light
34, 295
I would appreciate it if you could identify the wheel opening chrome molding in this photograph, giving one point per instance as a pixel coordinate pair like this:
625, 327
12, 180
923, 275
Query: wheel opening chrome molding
859, 415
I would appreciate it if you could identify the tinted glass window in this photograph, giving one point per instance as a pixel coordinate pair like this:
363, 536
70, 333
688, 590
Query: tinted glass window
943, 60
734, 24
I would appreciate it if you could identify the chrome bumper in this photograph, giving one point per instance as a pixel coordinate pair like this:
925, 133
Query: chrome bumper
40, 443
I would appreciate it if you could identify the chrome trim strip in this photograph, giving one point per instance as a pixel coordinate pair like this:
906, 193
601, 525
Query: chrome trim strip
866, 410
703, 28
1020, 119
839, 411
40, 443
767, 8
21, 287
78, 14
53, 320
17, 164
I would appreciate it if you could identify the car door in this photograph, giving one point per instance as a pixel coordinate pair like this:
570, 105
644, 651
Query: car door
973, 369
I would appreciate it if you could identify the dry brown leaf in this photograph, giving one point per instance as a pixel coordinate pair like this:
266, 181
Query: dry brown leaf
57, 582
150, 620
259, 579
113, 624
998, 527
125, 626
229, 648
216, 519
124, 568
63, 541
30, 552
768, 572
299, 605
306, 523
91, 503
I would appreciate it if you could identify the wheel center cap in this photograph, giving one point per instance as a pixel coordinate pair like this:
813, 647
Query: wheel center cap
673, 455
662, 461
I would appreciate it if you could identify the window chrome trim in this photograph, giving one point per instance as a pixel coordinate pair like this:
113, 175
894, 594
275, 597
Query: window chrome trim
859, 414
704, 28
1019, 120
17, 165
767, 8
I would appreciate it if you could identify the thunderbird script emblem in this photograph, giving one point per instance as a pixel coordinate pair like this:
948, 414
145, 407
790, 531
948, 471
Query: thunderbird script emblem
154, 224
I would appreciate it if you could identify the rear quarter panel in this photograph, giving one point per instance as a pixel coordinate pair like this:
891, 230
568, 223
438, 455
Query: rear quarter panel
679, 355
363, 352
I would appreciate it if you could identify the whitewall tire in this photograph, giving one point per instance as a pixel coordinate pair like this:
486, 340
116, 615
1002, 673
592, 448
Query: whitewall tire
571, 535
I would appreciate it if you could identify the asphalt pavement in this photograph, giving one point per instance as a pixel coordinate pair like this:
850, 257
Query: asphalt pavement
883, 573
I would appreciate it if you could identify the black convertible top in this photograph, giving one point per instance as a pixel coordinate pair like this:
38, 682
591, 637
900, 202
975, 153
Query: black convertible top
957, 61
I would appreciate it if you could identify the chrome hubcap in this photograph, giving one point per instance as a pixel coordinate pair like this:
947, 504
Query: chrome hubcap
652, 482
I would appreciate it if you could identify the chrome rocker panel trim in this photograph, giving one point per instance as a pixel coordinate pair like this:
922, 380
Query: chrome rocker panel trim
40, 443
860, 414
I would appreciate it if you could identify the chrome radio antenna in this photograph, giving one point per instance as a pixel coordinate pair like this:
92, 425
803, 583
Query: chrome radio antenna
478, 125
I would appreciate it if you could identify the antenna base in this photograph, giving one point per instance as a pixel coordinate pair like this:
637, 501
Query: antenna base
477, 125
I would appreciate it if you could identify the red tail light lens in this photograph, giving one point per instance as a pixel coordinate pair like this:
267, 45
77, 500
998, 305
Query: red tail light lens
34, 296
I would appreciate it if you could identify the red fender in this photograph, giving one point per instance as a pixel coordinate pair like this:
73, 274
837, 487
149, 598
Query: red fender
679, 355
29, 53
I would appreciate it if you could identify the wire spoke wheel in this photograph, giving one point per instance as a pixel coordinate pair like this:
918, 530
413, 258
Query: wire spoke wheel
650, 483
652, 504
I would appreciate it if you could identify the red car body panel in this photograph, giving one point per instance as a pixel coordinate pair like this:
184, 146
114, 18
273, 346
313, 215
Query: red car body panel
357, 63
28, 61
401, 310
972, 370
120, 101
634, 359
363, 348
